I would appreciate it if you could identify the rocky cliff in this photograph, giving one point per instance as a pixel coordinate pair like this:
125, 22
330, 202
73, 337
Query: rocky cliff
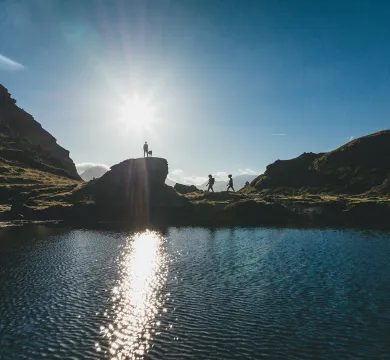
360, 166
23, 141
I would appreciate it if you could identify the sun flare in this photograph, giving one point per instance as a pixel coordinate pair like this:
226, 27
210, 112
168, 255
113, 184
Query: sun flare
138, 113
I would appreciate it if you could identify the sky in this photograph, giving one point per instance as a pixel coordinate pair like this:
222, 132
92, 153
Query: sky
227, 86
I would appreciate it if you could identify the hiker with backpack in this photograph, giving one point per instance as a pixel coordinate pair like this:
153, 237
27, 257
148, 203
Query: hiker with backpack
230, 183
210, 184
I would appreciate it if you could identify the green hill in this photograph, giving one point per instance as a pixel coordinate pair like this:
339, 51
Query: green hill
358, 167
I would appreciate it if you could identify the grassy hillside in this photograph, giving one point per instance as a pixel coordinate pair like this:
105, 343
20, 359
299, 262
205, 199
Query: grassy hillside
34, 188
358, 167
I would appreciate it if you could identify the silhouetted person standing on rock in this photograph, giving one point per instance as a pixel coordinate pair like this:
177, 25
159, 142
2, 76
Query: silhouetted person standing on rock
210, 184
146, 149
230, 184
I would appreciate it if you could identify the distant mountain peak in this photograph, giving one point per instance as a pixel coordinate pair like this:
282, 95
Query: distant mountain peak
94, 172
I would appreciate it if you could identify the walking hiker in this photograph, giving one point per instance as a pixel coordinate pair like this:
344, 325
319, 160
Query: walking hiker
230, 183
210, 184
146, 149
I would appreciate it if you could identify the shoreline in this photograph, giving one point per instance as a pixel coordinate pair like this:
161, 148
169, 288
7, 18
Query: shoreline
227, 210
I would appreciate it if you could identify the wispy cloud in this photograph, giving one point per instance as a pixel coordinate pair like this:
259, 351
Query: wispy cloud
9, 64
279, 134
248, 171
179, 176
221, 174
350, 138
87, 165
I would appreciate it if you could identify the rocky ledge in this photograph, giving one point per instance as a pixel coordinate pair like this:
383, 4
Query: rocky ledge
134, 193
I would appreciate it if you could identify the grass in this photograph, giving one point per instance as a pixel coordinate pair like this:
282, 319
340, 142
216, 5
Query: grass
38, 189
224, 198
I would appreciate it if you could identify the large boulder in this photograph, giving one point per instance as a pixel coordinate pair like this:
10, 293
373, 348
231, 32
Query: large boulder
135, 191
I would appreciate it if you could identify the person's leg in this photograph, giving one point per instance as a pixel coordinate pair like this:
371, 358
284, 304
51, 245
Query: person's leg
233, 189
212, 189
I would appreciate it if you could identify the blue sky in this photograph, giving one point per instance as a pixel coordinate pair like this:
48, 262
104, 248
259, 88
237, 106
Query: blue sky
234, 85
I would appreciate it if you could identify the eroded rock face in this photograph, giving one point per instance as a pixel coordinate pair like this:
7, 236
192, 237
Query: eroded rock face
24, 140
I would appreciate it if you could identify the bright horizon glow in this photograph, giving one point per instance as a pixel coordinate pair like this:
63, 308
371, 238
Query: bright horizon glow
137, 113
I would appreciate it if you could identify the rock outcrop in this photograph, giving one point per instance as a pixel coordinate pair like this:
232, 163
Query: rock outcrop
25, 142
134, 191
185, 189
360, 166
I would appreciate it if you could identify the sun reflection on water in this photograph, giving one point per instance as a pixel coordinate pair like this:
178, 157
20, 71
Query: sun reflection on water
137, 298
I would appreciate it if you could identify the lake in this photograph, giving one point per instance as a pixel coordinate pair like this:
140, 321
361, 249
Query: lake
194, 293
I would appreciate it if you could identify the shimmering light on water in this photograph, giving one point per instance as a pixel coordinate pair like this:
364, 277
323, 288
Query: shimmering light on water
137, 299
194, 293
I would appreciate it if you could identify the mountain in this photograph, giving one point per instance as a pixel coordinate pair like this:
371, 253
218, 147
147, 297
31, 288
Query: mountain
24, 143
169, 182
240, 180
362, 165
94, 172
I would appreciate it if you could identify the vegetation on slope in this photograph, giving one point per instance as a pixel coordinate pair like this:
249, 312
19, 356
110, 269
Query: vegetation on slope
33, 188
360, 166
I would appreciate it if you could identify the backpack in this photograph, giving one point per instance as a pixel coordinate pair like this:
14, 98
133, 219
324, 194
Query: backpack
212, 181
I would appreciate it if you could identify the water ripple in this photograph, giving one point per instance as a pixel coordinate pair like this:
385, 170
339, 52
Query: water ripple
194, 294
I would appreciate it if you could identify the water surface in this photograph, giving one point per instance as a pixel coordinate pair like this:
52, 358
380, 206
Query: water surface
194, 294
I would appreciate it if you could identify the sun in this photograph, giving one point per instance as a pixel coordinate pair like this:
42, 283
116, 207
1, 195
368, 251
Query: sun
137, 113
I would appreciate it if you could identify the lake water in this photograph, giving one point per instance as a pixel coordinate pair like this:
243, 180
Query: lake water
194, 293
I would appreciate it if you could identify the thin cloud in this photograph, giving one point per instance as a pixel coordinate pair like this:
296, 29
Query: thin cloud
221, 174
87, 165
279, 134
248, 171
179, 176
9, 64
